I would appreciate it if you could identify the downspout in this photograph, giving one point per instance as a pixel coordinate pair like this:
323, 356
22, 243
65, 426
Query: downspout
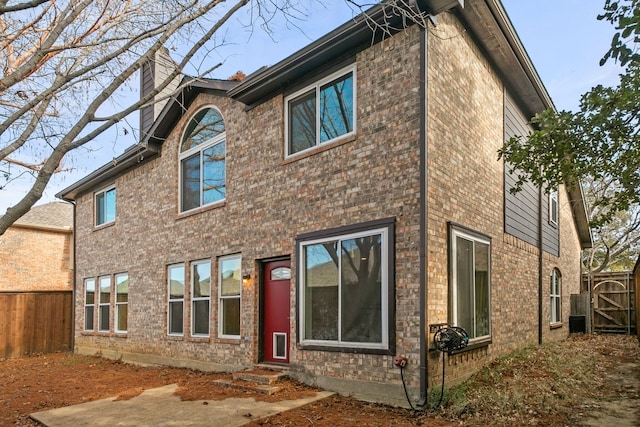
423, 220
540, 269
73, 283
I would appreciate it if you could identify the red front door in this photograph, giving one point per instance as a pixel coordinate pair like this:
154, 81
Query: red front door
277, 311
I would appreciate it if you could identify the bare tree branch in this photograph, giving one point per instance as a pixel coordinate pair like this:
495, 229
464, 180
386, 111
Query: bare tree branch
20, 6
63, 60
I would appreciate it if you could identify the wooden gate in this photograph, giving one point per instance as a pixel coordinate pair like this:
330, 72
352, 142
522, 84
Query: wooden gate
613, 297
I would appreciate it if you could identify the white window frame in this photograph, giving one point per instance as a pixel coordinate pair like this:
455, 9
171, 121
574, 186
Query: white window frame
221, 313
98, 207
554, 212
194, 299
86, 305
104, 305
456, 232
120, 305
384, 291
316, 86
555, 294
175, 300
218, 139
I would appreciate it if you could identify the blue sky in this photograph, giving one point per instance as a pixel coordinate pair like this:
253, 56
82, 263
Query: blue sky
563, 38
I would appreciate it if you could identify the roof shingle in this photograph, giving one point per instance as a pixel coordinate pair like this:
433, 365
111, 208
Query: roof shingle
55, 214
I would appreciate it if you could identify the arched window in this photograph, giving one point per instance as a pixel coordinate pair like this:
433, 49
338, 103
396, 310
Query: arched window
203, 160
556, 296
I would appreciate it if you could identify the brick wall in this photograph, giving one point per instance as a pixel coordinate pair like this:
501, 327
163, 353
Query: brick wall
35, 259
466, 186
269, 202
370, 176
568, 263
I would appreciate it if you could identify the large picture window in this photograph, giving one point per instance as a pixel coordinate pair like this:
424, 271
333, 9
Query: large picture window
122, 301
89, 303
105, 206
176, 299
470, 261
344, 288
203, 160
556, 296
229, 288
105, 303
200, 297
322, 112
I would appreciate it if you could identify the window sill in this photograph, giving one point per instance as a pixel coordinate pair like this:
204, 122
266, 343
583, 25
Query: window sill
228, 340
352, 350
470, 347
175, 337
200, 339
555, 326
319, 149
104, 334
196, 211
103, 226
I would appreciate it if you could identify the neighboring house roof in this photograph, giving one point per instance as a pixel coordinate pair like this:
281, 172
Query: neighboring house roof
51, 216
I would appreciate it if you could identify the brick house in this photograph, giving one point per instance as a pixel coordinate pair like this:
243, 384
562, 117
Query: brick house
324, 213
36, 252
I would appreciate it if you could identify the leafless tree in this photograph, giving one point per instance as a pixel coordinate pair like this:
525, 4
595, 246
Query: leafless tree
65, 61
615, 244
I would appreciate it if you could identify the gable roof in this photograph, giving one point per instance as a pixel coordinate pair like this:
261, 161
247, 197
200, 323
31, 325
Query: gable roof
486, 21
50, 216
149, 147
364, 30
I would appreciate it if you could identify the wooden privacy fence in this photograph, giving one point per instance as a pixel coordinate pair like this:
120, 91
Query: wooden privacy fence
613, 298
35, 322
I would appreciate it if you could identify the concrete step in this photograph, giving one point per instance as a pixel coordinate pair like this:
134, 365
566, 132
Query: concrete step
260, 376
247, 386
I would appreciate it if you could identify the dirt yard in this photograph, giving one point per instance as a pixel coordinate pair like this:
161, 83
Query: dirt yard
586, 380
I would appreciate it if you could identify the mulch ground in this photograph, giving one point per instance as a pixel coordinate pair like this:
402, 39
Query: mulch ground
556, 384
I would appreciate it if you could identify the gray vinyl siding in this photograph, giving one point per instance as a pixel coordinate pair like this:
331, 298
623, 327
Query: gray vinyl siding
521, 209
146, 85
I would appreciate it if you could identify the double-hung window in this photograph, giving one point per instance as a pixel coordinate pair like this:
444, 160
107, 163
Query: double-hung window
104, 304
89, 303
470, 261
175, 285
344, 287
122, 301
229, 288
105, 206
556, 296
322, 112
203, 160
200, 297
